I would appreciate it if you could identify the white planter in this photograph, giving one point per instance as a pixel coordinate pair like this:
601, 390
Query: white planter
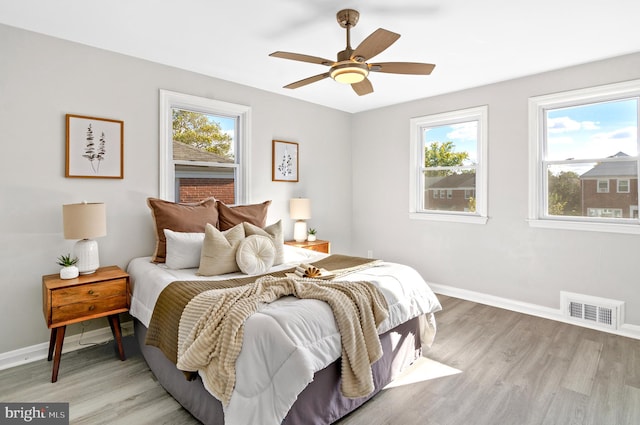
311, 238
69, 272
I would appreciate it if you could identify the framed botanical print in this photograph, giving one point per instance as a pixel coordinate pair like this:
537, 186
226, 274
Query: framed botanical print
284, 167
94, 147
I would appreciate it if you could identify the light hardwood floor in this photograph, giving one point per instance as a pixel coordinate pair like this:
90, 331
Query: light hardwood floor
488, 366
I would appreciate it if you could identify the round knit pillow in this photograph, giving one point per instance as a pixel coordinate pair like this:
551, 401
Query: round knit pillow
256, 254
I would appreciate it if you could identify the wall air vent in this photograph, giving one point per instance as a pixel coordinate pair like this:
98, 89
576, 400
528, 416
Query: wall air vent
592, 311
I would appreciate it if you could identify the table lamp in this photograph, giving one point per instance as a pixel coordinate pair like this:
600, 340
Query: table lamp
300, 210
85, 221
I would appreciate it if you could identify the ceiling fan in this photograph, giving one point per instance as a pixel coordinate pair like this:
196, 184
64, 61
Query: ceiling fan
351, 66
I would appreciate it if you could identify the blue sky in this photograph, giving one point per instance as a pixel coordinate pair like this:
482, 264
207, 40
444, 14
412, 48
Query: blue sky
593, 131
227, 124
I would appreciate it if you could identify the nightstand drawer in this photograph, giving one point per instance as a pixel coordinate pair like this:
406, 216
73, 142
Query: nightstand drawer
89, 292
90, 299
72, 311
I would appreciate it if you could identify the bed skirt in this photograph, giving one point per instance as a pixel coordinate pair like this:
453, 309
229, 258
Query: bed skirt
320, 403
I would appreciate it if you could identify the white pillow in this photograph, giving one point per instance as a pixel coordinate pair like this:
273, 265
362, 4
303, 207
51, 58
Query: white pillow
183, 249
219, 250
274, 232
256, 254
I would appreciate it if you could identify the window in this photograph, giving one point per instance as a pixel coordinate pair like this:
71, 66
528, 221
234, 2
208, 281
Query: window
448, 156
623, 186
583, 171
603, 186
203, 149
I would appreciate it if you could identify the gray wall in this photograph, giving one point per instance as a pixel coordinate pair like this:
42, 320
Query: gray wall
504, 258
43, 78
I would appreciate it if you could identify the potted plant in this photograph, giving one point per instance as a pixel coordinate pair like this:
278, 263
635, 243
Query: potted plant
69, 269
312, 235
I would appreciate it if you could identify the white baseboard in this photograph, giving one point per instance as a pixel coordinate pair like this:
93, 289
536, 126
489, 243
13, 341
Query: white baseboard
631, 331
71, 343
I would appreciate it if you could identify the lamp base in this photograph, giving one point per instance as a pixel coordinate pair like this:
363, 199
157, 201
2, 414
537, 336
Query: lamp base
300, 231
88, 259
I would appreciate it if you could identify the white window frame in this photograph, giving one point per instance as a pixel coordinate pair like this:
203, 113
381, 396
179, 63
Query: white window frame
170, 100
628, 182
604, 188
537, 175
416, 165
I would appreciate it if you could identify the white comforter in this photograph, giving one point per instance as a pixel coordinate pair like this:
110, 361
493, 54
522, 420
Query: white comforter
287, 341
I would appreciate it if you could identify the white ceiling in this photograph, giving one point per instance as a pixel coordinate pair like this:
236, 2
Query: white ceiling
471, 42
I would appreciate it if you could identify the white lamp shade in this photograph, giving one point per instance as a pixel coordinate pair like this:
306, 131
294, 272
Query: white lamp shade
84, 221
300, 208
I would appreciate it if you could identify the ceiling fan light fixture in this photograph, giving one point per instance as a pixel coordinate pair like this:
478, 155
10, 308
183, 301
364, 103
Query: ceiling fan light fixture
349, 73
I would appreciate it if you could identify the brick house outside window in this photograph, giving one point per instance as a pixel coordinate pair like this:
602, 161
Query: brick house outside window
621, 200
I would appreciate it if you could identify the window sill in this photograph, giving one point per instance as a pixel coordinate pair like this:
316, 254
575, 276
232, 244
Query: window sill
454, 218
633, 229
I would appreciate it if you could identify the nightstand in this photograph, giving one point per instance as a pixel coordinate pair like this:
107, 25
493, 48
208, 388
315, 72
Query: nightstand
317, 245
86, 297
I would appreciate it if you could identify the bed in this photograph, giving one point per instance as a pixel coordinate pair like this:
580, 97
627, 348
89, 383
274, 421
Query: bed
289, 368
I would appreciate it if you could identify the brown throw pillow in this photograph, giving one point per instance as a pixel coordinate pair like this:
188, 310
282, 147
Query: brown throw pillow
255, 214
179, 218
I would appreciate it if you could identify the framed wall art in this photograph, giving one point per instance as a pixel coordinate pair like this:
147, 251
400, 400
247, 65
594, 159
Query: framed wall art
94, 147
285, 162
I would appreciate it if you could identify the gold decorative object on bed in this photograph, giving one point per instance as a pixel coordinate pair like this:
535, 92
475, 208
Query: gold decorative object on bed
309, 271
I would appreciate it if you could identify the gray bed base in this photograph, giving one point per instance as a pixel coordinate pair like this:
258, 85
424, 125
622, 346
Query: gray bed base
320, 403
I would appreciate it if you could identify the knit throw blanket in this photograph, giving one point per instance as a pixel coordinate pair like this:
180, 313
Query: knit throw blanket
199, 324
211, 329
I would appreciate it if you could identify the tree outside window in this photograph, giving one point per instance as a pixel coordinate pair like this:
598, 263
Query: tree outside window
449, 158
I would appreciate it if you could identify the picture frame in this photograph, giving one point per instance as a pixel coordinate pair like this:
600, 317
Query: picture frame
94, 147
284, 167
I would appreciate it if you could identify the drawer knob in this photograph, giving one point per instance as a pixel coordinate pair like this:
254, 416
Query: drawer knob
92, 307
90, 291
